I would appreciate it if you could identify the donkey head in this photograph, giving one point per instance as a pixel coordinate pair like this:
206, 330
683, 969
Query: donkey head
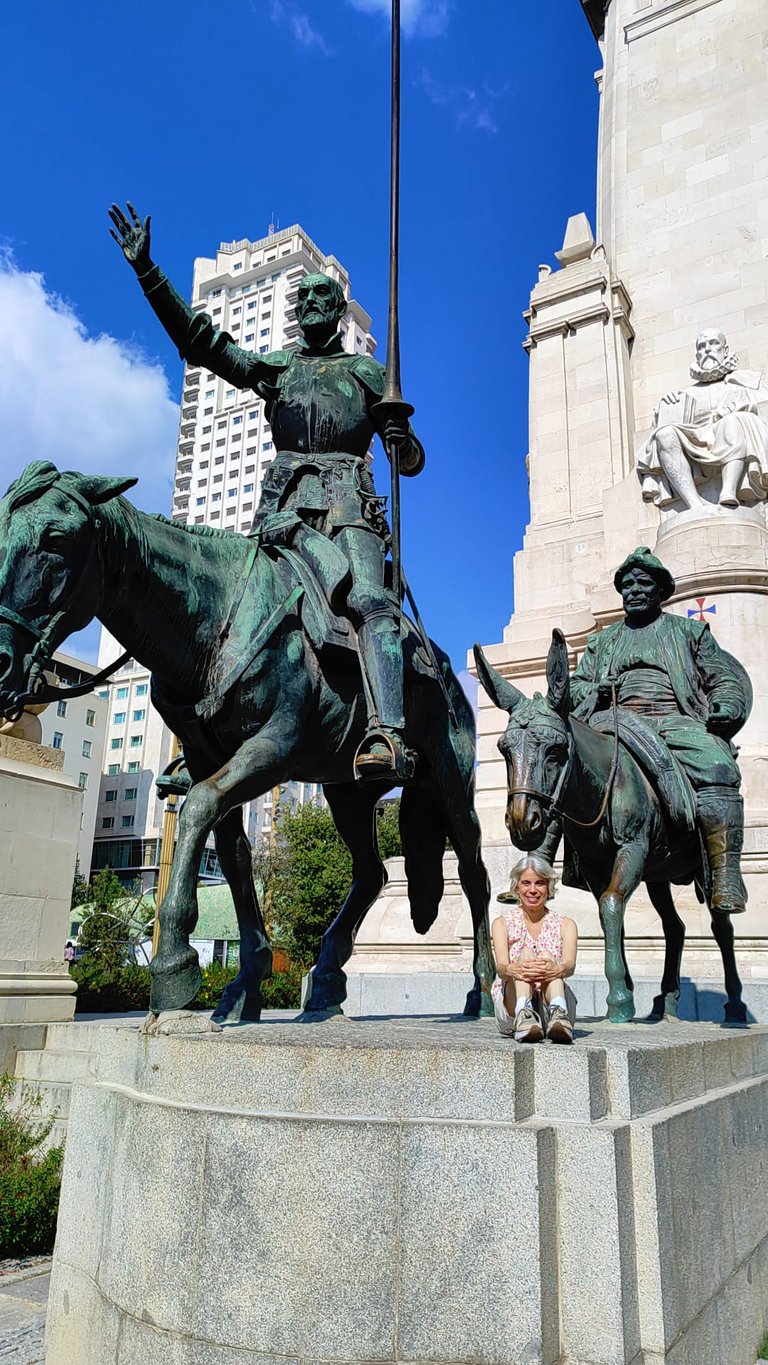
534, 744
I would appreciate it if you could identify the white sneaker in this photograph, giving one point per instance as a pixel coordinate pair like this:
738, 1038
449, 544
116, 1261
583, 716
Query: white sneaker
528, 1026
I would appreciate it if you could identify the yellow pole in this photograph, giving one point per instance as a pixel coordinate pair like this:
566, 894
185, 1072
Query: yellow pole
167, 845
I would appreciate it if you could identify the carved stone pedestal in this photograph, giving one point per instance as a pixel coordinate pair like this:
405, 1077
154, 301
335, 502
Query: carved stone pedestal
40, 812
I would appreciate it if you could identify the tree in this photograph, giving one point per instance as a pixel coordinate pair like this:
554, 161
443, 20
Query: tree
311, 885
79, 888
304, 872
388, 829
115, 922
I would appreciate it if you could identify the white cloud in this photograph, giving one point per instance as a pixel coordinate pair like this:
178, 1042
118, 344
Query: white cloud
470, 107
88, 403
427, 17
286, 12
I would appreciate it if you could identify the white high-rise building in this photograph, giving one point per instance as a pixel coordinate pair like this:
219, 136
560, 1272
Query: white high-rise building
249, 289
225, 445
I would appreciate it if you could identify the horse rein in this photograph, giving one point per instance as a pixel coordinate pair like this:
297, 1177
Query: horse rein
554, 800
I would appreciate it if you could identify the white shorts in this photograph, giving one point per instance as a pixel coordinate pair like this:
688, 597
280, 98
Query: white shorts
505, 1022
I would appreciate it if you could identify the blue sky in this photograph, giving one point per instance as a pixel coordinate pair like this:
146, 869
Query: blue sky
217, 118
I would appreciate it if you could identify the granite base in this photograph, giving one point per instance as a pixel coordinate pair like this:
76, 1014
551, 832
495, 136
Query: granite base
359, 1192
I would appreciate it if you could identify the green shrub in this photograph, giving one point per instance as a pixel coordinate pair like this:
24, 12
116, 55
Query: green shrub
103, 988
282, 991
30, 1180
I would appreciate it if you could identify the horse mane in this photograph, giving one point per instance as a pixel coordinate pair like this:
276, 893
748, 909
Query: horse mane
210, 532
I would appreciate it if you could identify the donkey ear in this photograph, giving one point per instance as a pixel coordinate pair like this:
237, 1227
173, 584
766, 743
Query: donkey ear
501, 692
558, 675
100, 488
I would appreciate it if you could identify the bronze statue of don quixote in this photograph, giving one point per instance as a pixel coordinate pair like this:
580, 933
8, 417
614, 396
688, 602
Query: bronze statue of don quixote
288, 654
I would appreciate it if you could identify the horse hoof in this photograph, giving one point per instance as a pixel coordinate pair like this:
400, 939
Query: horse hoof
621, 1011
329, 1015
478, 1005
175, 983
238, 1006
735, 1012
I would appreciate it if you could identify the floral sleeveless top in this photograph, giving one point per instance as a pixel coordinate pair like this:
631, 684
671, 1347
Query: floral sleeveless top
550, 939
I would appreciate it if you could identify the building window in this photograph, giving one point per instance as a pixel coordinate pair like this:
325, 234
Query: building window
229, 393
58, 739
237, 420
119, 716
136, 741
61, 708
90, 718
235, 311
264, 332
266, 445
121, 693
263, 350
141, 690
216, 497
133, 767
232, 493
86, 748
249, 336
108, 822
140, 714
116, 744
199, 502
113, 769
111, 794
130, 793
247, 487
82, 781
128, 821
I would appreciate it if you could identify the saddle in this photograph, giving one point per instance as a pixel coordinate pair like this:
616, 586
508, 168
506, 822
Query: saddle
651, 753
323, 572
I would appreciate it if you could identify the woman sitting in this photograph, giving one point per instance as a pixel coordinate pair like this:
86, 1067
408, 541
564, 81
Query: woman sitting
535, 951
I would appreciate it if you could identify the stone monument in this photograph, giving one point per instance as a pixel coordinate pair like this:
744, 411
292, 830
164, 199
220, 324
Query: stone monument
629, 443
40, 809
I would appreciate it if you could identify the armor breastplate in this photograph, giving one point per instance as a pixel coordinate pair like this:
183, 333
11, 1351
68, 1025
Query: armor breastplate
320, 408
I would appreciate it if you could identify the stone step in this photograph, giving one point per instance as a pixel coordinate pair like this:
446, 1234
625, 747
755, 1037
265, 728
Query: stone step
72, 1037
55, 1098
59, 1067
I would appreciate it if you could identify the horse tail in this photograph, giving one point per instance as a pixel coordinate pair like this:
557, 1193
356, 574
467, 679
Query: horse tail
424, 832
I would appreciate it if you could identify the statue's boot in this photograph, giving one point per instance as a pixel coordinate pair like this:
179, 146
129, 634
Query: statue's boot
721, 816
383, 753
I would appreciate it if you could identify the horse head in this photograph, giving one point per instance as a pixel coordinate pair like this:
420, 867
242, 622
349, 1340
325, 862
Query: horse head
50, 573
535, 744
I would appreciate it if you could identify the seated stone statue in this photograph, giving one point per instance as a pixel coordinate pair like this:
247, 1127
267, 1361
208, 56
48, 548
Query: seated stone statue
671, 671
711, 430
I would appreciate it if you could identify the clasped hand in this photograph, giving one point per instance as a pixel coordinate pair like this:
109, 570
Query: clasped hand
539, 971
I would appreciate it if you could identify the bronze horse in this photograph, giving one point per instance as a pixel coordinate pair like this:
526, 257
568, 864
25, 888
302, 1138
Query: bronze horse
237, 678
559, 767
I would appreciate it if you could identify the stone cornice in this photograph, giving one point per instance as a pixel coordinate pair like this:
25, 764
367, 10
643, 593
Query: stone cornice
594, 11
662, 15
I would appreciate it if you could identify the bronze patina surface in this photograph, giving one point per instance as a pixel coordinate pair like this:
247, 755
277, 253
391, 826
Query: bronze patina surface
631, 758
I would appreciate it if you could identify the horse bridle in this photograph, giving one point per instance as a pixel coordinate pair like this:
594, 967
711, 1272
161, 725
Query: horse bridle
43, 649
553, 801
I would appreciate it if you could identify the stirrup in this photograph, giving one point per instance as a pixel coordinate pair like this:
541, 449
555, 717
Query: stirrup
383, 754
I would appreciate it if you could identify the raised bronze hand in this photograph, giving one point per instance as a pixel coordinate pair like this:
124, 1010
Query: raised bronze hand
132, 237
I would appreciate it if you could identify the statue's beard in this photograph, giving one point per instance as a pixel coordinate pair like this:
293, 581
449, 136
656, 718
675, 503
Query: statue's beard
712, 373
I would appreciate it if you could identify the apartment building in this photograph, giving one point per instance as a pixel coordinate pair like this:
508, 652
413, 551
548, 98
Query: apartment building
77, 726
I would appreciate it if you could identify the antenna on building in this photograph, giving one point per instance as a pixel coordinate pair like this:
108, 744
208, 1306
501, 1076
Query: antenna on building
274, 226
